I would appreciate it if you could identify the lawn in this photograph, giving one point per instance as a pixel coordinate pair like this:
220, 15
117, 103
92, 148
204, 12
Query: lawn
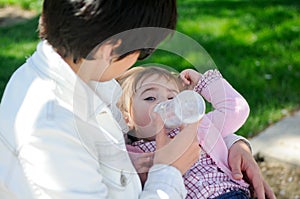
25, 4
255, 45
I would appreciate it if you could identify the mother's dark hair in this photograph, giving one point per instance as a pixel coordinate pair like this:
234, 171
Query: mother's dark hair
75, 27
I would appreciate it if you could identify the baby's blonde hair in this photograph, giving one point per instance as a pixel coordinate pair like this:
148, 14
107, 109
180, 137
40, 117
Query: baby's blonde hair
130, 79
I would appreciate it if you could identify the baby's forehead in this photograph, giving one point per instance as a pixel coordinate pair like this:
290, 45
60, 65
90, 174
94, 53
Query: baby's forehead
157, 78
157, 82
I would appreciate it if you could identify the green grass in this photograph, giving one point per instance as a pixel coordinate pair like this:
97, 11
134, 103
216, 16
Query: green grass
25, 4
17, 43
255, 45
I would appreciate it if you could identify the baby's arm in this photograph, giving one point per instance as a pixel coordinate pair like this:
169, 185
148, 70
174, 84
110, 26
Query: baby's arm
230, 108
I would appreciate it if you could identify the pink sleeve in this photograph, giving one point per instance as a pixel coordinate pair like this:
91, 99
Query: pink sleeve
230, 111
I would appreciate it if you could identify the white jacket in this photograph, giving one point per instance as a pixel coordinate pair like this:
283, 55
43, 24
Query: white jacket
59, 139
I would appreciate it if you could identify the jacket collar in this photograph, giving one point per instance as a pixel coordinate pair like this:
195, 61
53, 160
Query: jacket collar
85, 100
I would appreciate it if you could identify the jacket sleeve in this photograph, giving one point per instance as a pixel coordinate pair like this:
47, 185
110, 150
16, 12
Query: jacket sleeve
232, 138
164, 181
58, 167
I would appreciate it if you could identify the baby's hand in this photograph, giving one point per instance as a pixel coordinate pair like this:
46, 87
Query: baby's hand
141, 161
190, 77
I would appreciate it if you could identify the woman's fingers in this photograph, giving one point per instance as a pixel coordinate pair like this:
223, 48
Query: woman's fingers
142, 161
181, 152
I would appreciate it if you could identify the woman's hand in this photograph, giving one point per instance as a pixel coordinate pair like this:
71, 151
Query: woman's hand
182, 151
141, 161
241, 161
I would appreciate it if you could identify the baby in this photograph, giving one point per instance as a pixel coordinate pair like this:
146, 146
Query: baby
145, 87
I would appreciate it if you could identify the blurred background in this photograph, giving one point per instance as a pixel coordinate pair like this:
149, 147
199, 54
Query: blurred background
254, 43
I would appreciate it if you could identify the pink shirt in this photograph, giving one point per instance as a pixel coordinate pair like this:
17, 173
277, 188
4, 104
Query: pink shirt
211, 176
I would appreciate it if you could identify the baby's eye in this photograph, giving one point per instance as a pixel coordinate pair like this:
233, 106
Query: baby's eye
169, 98
150, 99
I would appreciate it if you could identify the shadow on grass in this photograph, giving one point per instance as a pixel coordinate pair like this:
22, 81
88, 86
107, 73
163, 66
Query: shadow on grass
272, 53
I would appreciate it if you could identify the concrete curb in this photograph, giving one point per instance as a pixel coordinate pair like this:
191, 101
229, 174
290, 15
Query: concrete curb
281, 140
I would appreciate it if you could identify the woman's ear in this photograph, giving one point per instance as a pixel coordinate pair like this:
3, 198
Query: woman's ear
106, 51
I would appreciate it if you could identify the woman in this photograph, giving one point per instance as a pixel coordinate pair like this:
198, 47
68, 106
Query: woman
59, 132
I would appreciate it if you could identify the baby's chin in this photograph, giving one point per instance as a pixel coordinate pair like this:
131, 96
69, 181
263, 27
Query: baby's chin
146, 137
152, 138
169, 130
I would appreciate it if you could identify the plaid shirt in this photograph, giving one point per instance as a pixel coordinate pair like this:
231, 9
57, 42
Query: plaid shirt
204, 179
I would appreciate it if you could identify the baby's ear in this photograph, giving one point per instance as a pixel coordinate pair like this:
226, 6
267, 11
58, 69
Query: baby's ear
128, 120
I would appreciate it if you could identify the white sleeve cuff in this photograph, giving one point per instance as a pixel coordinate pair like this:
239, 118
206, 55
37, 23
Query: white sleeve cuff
165, 181
232, 138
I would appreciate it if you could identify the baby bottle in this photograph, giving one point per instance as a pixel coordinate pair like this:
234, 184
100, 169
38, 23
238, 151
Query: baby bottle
187, 107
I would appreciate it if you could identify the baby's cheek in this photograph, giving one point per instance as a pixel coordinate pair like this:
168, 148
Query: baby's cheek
141, 116
143, 119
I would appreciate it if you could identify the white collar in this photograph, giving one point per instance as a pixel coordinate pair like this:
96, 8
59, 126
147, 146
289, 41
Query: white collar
84, 100
110, 92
